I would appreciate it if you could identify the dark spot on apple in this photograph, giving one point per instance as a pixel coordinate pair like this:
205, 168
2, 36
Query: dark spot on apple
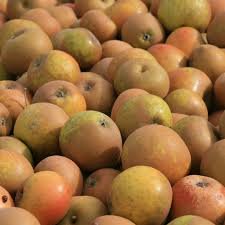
91, 182
202, 184
144, 69
38, 61
157, 120
88, 86
73, 219
147, 37
4, 198
2, 121
103, 123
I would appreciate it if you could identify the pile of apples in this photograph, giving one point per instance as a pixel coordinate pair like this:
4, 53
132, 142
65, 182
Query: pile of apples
112, 112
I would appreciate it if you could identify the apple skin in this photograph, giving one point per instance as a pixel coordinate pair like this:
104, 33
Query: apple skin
6, 200
46, 195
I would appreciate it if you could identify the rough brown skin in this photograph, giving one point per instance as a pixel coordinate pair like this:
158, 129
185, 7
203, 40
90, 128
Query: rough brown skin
132, 53
81, 44
99, 24
189, 129
13, 144
46, 195
131, 191
190, 220
212, 163
219, 91
99, 184
123, 97
98, 92
83, 210
16, 215
143, 74
210, 59
169, 155
121, 10
44, 19
142, 31
55, 65
63, 94
101, 67
192, 79
214, 118
82, 6
113, 48
188, 35
25, 46
217, 6
64, 167
5, 121
142, 110
186, 102
14, 170
111, 220
222, 125
215, 32
168, 56
177, 117
64, 15
92, 140
16, 8
40, 131
6, 200
15, 101
191, 195
11, 27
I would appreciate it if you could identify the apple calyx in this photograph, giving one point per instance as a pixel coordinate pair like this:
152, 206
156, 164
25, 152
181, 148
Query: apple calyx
147, 37
91, 182
202, 184
4, 198
88, 86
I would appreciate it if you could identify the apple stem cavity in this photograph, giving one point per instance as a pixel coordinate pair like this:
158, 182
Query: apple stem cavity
4, 198
60, 93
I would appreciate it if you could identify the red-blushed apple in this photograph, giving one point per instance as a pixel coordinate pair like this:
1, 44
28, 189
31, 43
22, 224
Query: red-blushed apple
46, 195
193, 193
111, 220
6, 200
66, 168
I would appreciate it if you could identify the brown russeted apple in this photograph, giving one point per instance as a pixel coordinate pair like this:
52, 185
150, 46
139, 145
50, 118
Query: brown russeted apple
101, 67
142, 110
6, 200
192, 193
143, 74
63, 94
15, 8
99, 183
23, 47
64, 167
83, 210
14, 170
113, 48
46, 195
13, 144
142, 31
82, 6
168, 56
38, 126
159, 147
210, 59
186, 102
55, 65
189, 129
92, 140
16, 215
64, 15
99, 24
186, 39
81, 44
121, 10
12, 27
98, 92
123, 97
44, 19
